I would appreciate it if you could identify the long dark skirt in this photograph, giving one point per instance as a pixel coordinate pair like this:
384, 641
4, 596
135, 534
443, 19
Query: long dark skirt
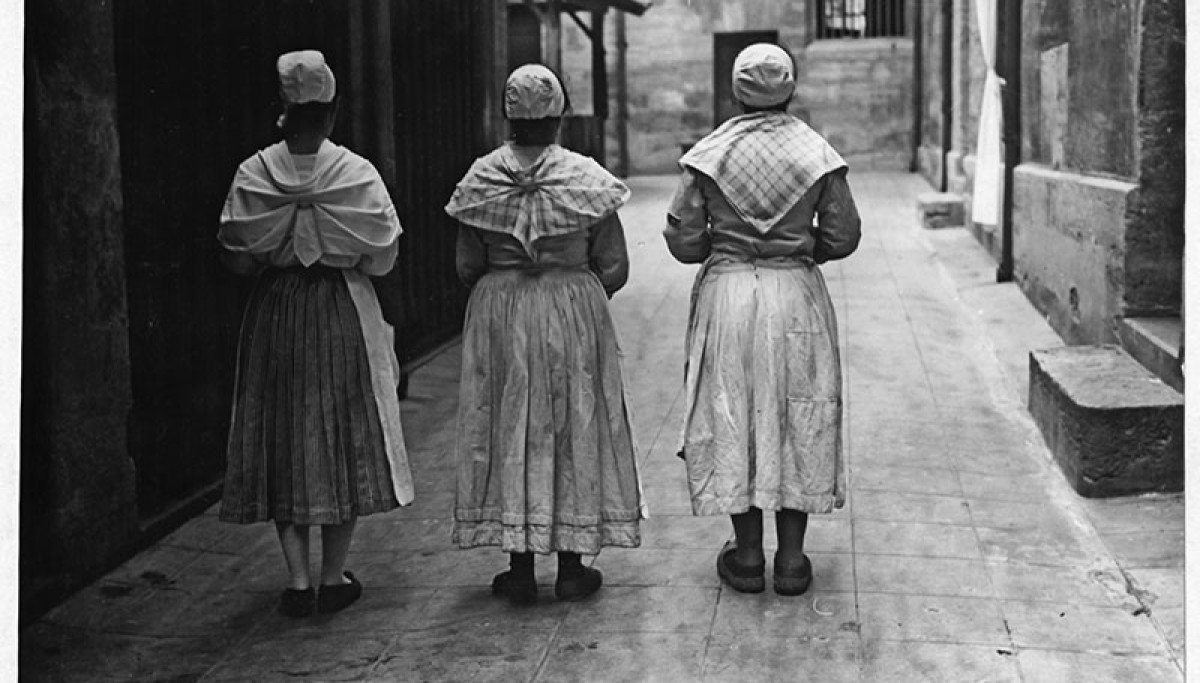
305, 443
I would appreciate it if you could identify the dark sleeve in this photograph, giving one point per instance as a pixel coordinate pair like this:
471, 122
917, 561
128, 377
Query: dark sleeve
470, 255
838, 224
607, 255
687, 233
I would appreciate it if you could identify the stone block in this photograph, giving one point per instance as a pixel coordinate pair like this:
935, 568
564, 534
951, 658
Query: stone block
1113, 427
1156, 344
940, 210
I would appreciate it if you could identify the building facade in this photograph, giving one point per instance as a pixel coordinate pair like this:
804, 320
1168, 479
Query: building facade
670, 72
1095, 148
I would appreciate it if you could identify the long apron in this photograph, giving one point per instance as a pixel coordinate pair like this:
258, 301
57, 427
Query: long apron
545, 452
763, 390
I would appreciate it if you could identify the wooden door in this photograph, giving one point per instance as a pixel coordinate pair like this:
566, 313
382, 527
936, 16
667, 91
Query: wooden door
726, 47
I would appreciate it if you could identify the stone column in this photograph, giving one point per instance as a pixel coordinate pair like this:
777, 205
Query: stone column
78, 495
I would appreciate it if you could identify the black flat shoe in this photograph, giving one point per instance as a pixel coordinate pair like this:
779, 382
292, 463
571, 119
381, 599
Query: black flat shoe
337, 598
578, 586
296, 602
518, 591
741, 579
793, 583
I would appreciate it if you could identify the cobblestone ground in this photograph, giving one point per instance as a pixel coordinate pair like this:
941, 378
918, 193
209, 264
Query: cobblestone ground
961, 555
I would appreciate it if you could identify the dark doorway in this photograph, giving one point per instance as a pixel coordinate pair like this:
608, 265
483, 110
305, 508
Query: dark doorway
726, 47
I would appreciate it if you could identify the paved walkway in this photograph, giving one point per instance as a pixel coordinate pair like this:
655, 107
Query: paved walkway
962, 555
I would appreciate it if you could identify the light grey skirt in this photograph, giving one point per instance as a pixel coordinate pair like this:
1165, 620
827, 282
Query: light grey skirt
545, 453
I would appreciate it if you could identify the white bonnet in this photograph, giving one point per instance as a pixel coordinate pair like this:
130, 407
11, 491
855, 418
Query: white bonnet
762, 75
305, 77
533, 92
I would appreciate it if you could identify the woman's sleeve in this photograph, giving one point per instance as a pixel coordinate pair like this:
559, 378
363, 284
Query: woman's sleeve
381, 262
687, 233
470, 258
608, 256
838, 224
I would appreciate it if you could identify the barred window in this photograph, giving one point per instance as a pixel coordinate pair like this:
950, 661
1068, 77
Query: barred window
860, 18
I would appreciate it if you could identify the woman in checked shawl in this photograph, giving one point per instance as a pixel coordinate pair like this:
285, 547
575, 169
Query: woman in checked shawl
763, 381
546, 460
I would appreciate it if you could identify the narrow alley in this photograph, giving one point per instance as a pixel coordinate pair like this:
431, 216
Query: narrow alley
962, 554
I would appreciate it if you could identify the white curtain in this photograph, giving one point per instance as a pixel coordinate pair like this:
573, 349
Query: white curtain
989, 166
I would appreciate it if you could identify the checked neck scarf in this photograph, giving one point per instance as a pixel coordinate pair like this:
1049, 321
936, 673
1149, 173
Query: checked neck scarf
763, 163
559, 193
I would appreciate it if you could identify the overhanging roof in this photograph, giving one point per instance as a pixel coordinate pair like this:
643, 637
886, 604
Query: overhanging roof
630, 6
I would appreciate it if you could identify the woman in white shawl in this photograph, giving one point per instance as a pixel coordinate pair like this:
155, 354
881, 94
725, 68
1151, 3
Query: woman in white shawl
315, 434
764, 386
546, 461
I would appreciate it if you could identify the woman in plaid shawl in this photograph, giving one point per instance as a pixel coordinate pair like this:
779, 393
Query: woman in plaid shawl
546, 460
763, 380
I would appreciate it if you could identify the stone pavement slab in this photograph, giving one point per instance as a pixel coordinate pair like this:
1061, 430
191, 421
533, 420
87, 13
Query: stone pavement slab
962, 553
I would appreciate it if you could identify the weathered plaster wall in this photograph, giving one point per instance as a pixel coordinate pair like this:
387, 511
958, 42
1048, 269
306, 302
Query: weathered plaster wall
1069, 249
857, 92
78, 501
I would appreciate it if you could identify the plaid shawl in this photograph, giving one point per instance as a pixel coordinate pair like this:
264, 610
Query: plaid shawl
559, 193
763, 163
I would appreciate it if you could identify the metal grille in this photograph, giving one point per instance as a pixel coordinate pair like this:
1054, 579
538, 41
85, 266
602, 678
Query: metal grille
860, 18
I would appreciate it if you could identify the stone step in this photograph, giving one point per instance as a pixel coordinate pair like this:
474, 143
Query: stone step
1155, 343
1114, 428
940, 210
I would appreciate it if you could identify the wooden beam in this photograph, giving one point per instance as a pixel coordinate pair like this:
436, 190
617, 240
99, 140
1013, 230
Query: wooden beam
582, 26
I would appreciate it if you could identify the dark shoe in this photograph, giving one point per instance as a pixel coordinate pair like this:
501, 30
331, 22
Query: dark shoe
519, 591
578, 586
337, 598
741, 579
296, 602
793, 583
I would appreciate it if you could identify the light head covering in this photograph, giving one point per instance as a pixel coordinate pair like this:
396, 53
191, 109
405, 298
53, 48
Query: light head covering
533, 92
305, 77
762, 75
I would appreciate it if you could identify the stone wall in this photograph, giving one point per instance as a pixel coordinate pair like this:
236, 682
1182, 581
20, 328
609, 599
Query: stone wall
1069, 235
1102, 102
78, 509
929, 151
967, 73
1153, 255
856, 92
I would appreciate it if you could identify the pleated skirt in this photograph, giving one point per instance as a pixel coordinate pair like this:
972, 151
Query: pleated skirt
545, 454
305, 441
764, 392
